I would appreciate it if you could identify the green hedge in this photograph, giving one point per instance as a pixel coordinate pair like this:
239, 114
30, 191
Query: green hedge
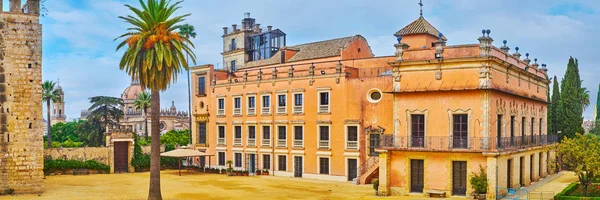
564, 194
51, 165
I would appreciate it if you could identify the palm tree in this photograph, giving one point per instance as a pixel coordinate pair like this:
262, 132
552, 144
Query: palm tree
106, 109
188, 31
49, 94
154, 56
142, 102
585, 98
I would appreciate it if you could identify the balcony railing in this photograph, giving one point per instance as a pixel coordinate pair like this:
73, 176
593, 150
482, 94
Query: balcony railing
281, 143
297, 109
266, 111
251, 111
237, 141
324, 144
281, 110
221, 112
352, 145
221, 141
298, 143
251, 142
266, 142
450, 143
323, 108
237, 111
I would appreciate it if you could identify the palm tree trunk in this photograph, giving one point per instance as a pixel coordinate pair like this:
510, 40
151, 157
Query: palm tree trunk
154, 193
49, 136
146, 122
189, 100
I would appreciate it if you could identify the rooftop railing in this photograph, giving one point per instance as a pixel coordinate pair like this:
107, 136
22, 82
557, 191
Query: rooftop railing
478, 144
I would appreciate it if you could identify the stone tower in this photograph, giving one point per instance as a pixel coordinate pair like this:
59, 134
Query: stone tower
21, 125
58, 107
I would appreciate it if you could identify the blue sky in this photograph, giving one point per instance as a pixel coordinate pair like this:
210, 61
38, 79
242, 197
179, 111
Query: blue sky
78, 35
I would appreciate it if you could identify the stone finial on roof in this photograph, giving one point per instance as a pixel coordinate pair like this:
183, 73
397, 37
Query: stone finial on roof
504, 48
527, 60
535, 65
311, 69
517, 54
245, 75
485, 42
259, 75
274, 72
291, 71
400, 48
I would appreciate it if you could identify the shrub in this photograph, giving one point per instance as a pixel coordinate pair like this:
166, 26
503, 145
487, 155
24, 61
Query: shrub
376, 185
479, 181
51, 165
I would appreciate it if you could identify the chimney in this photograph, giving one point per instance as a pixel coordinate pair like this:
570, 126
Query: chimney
34, 6
257, 27
234, 26
269, 28
224, 30
15, 6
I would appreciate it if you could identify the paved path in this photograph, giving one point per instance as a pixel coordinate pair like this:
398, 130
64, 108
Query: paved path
548, 187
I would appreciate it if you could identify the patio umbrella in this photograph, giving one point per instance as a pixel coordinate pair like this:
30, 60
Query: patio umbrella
183, 153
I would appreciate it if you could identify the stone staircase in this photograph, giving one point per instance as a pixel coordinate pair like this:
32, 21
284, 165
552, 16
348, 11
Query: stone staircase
369, 170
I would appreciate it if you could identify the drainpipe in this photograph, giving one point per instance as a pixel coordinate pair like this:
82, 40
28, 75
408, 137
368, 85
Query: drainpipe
273, 131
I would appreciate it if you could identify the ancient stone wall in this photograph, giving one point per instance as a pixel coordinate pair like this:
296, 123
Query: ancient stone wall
100, 154
21, 126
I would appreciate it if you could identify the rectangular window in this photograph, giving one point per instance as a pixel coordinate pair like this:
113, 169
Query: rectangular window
523, 130
281, 104
238, 160
324, 166
417, 130
202, 133
460, 131
323, 136
266, 139
266, 104
282, 163
237, 106
298, 103
201, 86
266, 161
352, 137
221, 107
324, 102
251, 135
221, 136
237, 140
233, 67
499, 131
532, 133
281, 136
540, 127
298, 136
512, 130
221, 156
233, 45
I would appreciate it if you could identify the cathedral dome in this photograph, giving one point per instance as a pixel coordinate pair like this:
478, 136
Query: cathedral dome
132, 91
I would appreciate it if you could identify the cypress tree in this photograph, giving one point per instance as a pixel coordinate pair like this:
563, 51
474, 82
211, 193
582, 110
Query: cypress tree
597, 120
570, 107
554, 109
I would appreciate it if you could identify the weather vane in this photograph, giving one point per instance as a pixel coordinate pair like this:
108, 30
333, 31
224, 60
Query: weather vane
421, 4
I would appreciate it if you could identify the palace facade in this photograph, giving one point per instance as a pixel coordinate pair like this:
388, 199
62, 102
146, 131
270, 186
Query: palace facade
420, 120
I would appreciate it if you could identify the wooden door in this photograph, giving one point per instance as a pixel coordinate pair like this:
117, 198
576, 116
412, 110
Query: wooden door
298, 166
352, 169
416, 176
121, 153
459, 178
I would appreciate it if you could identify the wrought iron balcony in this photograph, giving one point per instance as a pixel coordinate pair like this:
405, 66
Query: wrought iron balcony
237, 141
251, 142
297, 109
324, 144
352, 145
281, 143
266, 142
323, 108
251, 111
281, 110
298, 143
221, 112
221, 141
478, 144
266, 110
237, 111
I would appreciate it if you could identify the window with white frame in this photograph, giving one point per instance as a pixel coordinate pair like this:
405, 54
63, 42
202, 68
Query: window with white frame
324, 137
298, 103
251, 105
282, 162
281, 103
221, 135
251, 135
237, 138
352, 137
266, 161
237, 106
221, 158
238, 160
221, 107
281, 136
298, 136
266, 136
266, 104
324, 165
324, 102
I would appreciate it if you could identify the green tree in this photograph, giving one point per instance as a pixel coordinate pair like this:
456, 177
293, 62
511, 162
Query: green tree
49, 94
155, 56
173, 137
580, 154
188, 31
143, 102
555, 108
91, 132
570, 97
585, 98
107, 109
66, 131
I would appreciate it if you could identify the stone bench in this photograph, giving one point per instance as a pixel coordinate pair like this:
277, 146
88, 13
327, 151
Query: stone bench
439, 193
81, 171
